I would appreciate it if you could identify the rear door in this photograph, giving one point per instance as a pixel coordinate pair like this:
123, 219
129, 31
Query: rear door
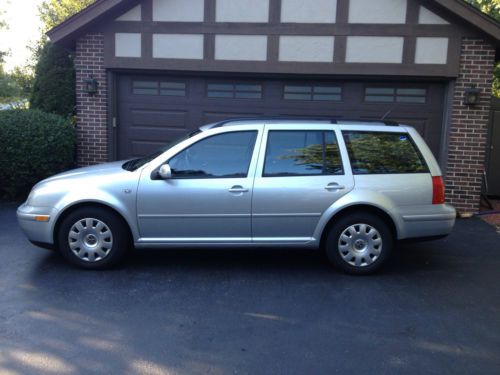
301, 172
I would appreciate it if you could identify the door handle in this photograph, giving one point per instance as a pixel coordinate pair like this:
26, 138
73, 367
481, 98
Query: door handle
333, 186
238, 189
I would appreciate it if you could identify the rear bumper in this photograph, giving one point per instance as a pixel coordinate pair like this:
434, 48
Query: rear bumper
437, 221
37, 231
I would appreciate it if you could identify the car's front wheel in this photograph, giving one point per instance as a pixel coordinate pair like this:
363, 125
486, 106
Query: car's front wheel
359, 243
93, 238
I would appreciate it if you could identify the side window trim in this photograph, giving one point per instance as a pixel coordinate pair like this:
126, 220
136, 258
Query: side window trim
253, 155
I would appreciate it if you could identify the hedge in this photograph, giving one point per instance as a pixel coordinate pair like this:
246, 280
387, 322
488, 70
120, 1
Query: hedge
33, 146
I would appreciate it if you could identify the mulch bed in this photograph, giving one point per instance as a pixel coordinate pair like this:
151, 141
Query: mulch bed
493, 220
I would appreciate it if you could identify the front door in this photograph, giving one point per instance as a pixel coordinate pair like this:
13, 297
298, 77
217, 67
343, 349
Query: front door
301, 175
208, 198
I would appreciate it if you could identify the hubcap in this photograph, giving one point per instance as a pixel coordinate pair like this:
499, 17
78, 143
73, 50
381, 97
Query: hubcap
90, 239
360, 245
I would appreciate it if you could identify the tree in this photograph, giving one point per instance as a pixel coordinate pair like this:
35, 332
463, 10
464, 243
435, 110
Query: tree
54, 83
491, 8
53, 12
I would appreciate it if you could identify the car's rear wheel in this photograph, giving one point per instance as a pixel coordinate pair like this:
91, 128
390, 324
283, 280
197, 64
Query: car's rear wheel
359, 243
93, 238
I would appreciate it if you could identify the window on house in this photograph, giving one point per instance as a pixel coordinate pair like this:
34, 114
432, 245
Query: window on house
312, 93
164, 88
399, 95
234, 90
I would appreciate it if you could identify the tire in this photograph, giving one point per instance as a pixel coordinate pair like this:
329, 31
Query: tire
359, 243
93, 238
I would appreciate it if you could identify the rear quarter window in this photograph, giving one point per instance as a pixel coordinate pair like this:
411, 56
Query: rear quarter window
383, 153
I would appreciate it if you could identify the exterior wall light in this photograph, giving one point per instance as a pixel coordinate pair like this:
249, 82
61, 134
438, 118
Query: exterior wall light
91, 86
472, 96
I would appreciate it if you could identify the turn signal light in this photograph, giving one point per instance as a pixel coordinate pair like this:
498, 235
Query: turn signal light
437, 190
42, 218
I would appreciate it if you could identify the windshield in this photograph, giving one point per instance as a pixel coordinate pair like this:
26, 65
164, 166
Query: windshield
134, 164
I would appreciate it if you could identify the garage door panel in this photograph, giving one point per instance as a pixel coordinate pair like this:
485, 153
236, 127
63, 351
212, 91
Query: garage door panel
150, 118
140, 148
211, 117
147, 121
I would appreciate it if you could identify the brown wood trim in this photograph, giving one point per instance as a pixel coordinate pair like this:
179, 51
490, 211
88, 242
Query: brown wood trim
274, 12
147, 10
209, 11
410, 70
273, 46
410, 42
209, 47
147, 45
342, 12
283, 28
102, 11
340, 45
473, 16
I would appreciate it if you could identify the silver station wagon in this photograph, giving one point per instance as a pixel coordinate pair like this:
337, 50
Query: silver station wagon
350, 188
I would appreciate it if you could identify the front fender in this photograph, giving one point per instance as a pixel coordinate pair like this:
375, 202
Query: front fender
360, 197
124, 204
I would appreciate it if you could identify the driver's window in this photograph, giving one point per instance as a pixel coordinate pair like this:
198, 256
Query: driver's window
226, 155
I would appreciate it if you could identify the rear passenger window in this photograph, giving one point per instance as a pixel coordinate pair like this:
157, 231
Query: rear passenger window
302, 153
383, 153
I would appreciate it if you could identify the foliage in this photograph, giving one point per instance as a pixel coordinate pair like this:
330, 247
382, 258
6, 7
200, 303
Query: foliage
491, 8
35, 145
23, 79
53, 88
9, 90
54, 83
53, 12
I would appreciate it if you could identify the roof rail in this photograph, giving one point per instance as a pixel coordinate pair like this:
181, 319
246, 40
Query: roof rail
285, 118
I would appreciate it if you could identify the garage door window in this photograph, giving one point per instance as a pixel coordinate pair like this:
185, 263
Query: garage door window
312, 93
164, 88
383, 153
399, 95
225, 155
234, 91
302, 153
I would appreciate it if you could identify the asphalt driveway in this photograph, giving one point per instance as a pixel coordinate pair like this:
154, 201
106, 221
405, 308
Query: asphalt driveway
435, 309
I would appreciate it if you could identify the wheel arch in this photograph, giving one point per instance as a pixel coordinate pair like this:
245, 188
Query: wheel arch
355, 208
71, 208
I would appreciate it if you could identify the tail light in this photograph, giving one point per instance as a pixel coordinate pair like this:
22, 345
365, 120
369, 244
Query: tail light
437, 190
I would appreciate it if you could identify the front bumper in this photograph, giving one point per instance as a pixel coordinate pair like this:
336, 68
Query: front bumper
37, 223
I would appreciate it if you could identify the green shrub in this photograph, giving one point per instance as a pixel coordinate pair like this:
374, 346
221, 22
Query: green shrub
33, 146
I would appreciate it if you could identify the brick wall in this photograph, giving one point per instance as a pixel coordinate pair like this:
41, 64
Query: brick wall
91, 110
469, 128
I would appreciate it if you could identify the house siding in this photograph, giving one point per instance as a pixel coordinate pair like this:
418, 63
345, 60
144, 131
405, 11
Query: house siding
469, 126
91, 110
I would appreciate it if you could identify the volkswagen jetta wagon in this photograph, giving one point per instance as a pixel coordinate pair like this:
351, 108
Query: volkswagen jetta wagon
352, 189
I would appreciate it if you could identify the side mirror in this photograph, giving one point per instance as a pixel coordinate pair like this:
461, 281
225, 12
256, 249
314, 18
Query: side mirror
165, 172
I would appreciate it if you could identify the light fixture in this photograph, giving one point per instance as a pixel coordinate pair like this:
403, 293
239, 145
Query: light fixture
472, 96
91, 86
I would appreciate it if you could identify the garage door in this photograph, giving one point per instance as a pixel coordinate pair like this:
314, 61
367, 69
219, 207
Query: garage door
154, 110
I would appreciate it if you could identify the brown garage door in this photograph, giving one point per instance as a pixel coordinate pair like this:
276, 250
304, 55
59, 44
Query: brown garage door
153, 110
